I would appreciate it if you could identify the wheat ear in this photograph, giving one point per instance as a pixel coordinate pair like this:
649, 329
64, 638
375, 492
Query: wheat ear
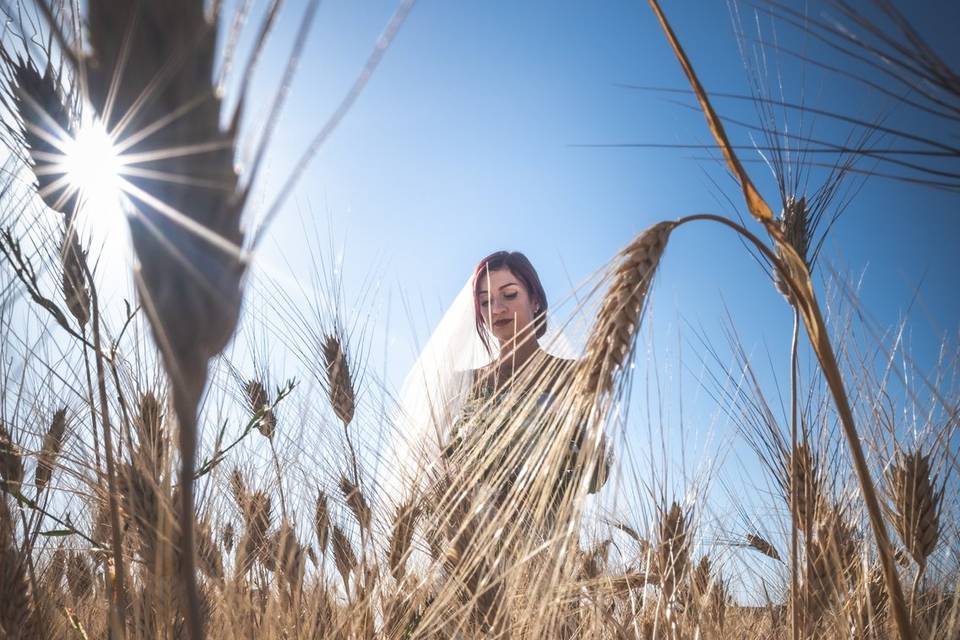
672, 554
47, 126
804, 481
404, 524
343, 555
52, 443
259, 403
916, 504
11, 462
758, 543
73, 258
614, 332
321, 521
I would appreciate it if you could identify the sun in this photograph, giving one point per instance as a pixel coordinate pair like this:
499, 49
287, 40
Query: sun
92, 166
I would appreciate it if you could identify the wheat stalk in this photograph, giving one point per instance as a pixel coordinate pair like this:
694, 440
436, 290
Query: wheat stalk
758, 543
80, 579
339, 380
76, 295
795, 274
11, 461
259, 403
804, 483
404, 524
343, 556
258, 519
227, 536
321, 521
151, 435
833, 554
52, 443
672, 552
17, 613
53, 574
357, 503
794, 222
339, 383
916, 504
869, 607
47, 125
152, 64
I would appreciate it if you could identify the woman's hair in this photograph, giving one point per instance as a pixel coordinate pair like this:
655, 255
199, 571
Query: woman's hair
520, 267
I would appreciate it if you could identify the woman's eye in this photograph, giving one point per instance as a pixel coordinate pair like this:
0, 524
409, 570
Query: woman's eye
510, 296
483, 303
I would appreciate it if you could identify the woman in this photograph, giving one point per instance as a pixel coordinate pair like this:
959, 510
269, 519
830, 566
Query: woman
488, 375
490, 434
512, 403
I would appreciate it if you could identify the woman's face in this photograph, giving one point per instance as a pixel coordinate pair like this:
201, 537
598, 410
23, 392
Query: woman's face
505, 303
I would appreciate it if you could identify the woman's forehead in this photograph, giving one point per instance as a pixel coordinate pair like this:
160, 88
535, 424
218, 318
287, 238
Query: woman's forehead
497, 279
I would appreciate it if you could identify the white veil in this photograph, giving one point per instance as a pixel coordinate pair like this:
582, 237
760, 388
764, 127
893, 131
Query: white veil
435, 389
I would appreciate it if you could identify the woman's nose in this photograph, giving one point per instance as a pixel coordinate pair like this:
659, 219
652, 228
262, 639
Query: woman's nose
498, 306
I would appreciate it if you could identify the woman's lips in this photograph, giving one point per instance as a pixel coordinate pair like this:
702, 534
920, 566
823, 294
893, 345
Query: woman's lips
502, 323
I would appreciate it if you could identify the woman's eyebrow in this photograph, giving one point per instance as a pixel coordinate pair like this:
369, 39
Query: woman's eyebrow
483, 292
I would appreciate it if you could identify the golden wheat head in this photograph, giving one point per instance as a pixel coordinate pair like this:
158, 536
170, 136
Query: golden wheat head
618, 319
916, 503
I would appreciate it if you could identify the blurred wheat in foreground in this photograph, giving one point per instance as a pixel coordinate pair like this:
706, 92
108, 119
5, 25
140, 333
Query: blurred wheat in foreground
156, 490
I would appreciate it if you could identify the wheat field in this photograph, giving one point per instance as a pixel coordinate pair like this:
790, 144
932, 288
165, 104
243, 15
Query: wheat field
147, 489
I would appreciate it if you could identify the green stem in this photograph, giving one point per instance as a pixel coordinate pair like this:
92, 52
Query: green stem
27, 502
219, 454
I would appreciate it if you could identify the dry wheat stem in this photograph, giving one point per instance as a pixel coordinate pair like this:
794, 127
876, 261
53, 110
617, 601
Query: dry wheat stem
795, 274
755, 202
149, 61
118, 593
794, 419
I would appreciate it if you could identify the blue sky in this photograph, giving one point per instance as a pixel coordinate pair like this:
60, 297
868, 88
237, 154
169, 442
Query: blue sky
463, 143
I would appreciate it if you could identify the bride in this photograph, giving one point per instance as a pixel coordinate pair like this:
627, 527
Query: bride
478, 403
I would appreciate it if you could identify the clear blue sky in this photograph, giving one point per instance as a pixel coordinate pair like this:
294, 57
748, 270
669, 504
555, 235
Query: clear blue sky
462, 144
